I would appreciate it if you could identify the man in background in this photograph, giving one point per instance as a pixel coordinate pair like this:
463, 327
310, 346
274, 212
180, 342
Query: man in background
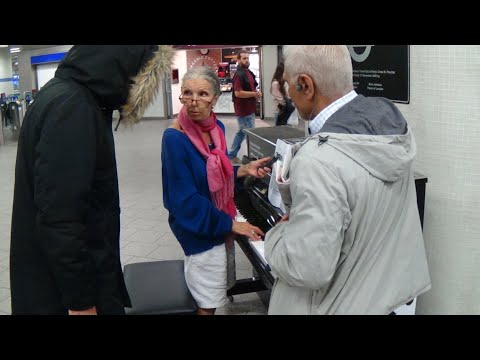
245, 96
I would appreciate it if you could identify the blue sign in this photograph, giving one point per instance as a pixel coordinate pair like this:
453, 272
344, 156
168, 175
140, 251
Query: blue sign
47, 58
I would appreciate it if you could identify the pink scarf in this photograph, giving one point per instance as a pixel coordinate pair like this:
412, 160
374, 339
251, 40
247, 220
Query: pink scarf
219, 168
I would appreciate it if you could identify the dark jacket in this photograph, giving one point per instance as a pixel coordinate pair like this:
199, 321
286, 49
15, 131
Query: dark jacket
246, 86
66, 216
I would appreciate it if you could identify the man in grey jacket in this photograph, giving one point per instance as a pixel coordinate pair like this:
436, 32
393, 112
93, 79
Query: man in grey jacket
352, 242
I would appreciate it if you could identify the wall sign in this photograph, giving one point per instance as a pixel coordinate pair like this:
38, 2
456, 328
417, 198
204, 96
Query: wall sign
47, 58
203, 60
175, 76
382, 70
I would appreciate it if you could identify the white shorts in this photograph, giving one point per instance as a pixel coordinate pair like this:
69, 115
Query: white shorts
206, 277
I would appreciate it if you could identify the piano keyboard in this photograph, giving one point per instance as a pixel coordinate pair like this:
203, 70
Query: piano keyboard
251, 214
257, 246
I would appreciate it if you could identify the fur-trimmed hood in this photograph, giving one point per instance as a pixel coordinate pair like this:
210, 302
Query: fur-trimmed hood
121, 77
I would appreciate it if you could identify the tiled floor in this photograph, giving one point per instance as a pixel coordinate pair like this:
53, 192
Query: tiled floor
145, 235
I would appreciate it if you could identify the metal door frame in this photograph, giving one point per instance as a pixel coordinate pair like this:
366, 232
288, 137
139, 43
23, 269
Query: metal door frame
167, 97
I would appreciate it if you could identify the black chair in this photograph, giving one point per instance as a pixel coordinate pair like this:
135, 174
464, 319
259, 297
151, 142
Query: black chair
158, 288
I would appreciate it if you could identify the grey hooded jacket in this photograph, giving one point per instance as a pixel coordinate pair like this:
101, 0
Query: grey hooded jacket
353, 243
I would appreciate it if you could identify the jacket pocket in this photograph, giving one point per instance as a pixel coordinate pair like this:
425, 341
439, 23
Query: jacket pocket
284, 190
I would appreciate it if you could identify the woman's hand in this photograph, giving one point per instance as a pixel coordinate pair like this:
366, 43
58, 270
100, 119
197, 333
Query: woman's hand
248, 230
255, 168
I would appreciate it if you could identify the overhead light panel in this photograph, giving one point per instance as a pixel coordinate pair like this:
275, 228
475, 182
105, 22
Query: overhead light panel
14, 50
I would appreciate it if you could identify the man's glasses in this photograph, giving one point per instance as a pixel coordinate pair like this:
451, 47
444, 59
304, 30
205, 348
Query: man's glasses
188, 100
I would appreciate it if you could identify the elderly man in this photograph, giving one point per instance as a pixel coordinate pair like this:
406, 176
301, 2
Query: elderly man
352, 242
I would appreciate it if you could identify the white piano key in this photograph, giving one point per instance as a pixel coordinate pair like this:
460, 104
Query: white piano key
239, 217
259, 248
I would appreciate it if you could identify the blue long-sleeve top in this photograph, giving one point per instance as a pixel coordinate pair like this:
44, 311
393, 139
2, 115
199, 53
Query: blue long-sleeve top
197, 224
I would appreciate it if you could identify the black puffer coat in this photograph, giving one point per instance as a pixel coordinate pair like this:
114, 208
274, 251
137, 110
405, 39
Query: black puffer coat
66, 215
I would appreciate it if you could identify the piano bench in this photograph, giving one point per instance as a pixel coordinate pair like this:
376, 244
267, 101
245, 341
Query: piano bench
158, 288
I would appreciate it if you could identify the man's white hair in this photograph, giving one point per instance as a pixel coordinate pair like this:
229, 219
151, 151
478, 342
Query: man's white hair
330, 67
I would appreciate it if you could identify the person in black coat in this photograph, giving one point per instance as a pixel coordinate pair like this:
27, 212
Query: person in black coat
64, 253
